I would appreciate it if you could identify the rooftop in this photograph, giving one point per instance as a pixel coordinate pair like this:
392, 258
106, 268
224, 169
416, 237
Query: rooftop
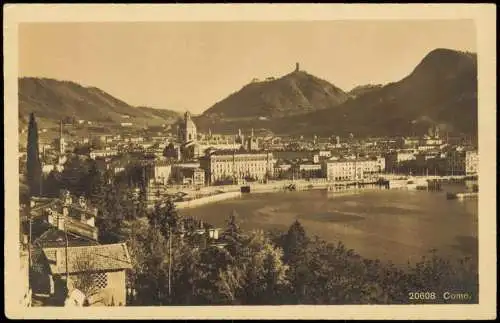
98, 257
55, 238
358, 160
238, 153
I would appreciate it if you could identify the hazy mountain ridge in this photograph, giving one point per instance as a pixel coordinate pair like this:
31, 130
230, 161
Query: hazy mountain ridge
441, 90
53, 100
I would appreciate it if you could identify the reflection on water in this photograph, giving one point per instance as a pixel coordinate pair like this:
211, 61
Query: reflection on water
395, 225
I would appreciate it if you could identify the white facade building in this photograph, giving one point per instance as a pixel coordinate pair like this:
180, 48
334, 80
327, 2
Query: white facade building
237, 166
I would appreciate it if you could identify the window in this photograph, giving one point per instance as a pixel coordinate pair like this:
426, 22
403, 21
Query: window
101, 280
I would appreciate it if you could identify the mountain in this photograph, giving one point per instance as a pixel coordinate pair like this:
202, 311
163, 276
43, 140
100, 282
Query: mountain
168, 116
441, 91
295, 93
52, 100
363, 89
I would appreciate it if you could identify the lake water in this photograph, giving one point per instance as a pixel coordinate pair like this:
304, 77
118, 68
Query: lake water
391, 225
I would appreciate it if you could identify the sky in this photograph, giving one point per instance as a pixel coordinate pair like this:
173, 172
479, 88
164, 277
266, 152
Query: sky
192, 65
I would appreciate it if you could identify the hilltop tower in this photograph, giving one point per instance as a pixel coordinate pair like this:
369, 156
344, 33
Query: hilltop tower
296, 67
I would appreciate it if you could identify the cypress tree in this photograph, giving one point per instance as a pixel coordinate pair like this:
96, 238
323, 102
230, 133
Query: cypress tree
33, 164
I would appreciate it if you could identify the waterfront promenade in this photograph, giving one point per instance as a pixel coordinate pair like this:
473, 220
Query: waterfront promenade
194, 197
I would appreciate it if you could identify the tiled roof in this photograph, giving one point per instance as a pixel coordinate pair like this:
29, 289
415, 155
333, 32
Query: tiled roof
53, 238
100, 258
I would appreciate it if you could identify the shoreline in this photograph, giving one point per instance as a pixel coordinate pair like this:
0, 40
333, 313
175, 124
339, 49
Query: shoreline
235, 191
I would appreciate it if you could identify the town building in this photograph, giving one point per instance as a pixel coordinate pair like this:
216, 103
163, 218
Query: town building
360, 169
431, 141
282, 170
162, 171
100, 153
188, 173
464, 162
57, 224
252, 143
191, 176
342, 170
191, 150
66, 214
98, 271
394, 159
237, 167
410, 142
471, 162
430, 163
136, 140
308, 170
39, 275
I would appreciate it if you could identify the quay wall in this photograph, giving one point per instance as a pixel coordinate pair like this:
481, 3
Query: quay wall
207, 200
224, 192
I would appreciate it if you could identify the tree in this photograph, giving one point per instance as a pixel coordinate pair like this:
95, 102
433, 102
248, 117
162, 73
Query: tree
74, 177
94, 182
233, 236
295, 255
266, 274
295, 242
33, 164
111, 213
149, 253
86, 279
52, 184
166, 219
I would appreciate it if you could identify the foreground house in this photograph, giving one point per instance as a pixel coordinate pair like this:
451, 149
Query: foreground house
97, 271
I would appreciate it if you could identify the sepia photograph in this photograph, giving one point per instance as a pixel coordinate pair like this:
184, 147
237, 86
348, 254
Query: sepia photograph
200, 163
